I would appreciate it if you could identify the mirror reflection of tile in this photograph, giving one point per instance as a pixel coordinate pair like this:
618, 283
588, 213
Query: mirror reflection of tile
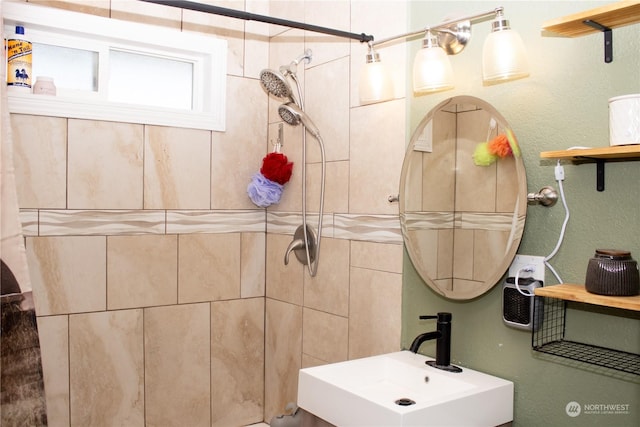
459, 223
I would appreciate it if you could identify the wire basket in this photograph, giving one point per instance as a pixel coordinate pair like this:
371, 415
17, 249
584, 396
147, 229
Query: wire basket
549, 338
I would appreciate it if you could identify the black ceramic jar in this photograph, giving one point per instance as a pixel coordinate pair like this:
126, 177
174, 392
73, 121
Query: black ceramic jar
613, 272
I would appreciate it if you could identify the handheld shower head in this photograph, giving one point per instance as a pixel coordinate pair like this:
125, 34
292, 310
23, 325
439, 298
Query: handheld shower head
289, 115
293, 116
275, 84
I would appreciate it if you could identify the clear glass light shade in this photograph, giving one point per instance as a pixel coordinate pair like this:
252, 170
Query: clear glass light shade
432, 70
375, 83
504, 57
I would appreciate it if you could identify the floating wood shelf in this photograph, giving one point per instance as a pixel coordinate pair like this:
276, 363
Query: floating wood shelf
601, 19
578, 293
612, 16
584, 155
598, 156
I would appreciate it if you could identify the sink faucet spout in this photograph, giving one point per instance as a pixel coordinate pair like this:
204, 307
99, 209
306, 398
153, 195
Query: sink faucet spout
417, 342
442, 335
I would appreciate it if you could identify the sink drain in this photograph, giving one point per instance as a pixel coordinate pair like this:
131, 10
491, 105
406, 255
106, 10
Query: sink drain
405, 402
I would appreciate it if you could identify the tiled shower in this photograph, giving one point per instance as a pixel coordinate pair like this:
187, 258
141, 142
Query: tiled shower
161, 290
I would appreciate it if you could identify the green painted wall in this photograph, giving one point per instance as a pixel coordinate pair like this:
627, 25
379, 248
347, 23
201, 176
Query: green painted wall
563, 104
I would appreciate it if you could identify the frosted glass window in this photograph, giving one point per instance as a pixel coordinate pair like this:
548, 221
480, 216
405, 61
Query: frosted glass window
137, 78
108, 69
70, 68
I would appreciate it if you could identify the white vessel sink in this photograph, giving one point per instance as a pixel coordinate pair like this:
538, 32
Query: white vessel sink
364, 392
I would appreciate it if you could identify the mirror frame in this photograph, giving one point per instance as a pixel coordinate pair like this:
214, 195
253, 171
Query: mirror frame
517, 220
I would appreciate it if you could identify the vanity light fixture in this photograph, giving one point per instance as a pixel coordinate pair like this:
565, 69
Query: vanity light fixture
503, 54
432, 70
375, 82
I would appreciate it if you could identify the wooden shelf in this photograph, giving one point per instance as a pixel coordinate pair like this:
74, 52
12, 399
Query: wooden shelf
596, 155
578, 293
627, 152
614, 15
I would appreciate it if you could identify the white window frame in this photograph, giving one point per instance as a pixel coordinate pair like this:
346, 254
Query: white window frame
59, 27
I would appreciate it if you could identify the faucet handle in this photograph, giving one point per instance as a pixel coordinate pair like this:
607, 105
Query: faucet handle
442, 317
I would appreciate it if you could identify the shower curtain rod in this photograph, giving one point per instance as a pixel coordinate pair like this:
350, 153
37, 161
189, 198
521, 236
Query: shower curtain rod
247, 16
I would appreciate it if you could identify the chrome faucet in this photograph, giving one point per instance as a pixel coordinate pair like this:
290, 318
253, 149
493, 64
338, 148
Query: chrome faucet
442, 335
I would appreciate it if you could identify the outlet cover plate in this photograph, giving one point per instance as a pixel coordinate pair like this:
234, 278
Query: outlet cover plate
520, 261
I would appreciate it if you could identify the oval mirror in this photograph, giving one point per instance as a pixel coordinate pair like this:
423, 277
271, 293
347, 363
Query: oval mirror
463, 199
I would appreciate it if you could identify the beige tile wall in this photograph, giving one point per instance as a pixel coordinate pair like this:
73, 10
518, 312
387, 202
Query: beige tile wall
161, 299
107, 368
352, 307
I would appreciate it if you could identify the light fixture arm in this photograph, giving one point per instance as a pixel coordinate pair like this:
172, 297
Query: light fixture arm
442, 26
247, 16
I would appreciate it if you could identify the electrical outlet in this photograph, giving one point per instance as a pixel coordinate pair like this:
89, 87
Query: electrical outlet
520, 261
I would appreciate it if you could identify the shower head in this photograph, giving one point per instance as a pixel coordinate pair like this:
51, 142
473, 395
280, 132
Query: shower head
275, 84
293, 116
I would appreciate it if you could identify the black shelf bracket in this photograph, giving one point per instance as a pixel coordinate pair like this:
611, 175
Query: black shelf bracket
600, 175
608, 39
599, 169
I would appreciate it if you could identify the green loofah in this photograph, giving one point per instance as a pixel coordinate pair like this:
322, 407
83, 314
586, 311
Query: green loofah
482, 156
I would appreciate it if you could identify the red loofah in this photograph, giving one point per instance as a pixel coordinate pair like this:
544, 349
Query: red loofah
500, 146
277, 168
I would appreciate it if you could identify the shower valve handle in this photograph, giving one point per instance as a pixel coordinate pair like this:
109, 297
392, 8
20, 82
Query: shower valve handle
295, 244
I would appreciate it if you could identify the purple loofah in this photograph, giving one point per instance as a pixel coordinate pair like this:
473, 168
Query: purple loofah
264, 192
